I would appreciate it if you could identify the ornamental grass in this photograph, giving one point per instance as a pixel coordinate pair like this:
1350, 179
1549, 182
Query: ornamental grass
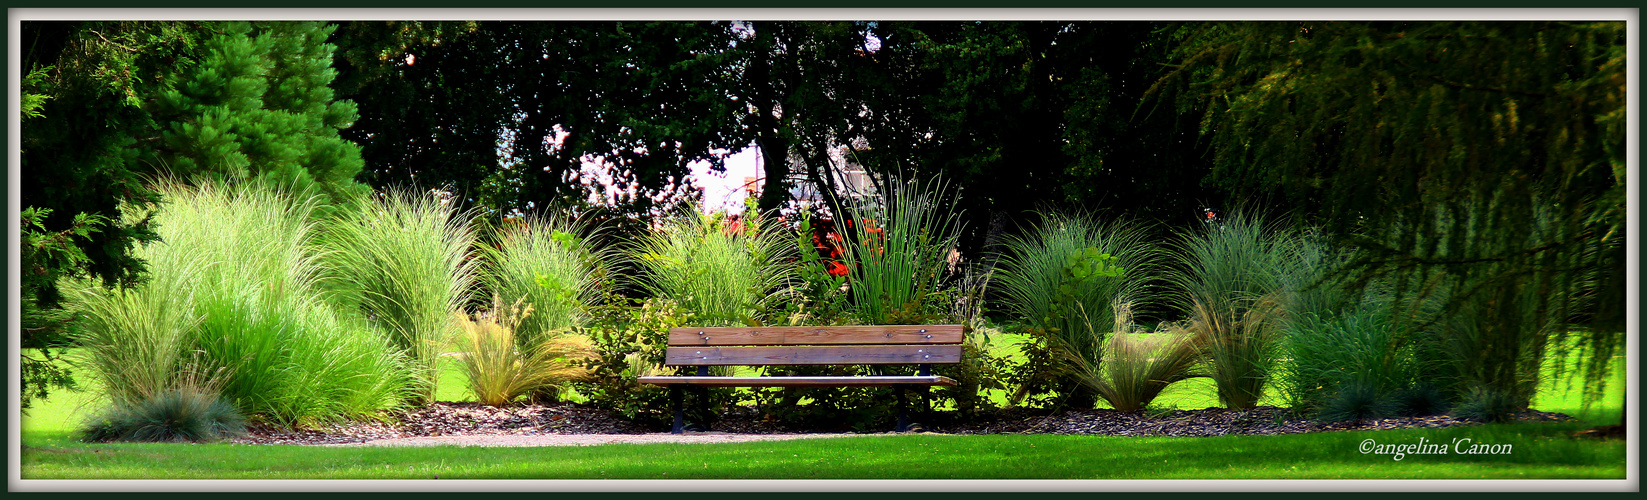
502, 367
233, 293
409, 257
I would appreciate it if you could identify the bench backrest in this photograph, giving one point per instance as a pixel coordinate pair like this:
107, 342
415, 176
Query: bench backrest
815, 345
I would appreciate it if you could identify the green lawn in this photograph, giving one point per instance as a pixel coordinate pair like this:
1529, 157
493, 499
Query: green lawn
1535, 451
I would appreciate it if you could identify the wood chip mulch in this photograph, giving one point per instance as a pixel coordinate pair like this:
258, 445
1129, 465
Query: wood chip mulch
471, 419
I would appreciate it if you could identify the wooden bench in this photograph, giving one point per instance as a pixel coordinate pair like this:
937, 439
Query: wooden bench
922, 345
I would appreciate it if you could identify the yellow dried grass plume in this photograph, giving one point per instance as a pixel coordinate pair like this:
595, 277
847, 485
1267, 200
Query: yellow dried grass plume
500, 369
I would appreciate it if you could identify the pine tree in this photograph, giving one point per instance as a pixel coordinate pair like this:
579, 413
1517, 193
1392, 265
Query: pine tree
258, 106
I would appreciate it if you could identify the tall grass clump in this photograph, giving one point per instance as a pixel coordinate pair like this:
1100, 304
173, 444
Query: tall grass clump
1138, 366
233, 295
1072, 280
546, 261
1353, 356
139, 338
723, 273
1234, 277
897, 249
501, 367
1348, 366
409, 258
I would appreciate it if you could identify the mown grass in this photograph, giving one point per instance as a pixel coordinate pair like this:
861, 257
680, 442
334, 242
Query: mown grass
1542, 451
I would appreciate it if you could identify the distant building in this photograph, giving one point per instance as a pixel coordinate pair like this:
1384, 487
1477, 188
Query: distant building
852, 180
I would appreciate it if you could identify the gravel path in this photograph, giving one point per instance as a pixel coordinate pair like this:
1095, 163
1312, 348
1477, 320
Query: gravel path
566, 424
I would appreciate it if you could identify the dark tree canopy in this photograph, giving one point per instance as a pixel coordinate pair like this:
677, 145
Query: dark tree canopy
436, 98
1044, 114
1020, 115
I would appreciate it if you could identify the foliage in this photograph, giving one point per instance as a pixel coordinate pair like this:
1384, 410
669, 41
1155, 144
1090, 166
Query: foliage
435, 96
1474, 349
897, 248
500, 368
978, 103
184, 413
1234, 277
1357, 401
546, 261
237, 100
1479, 164
1421, 400
1355, 350
45, 257
233, 298
1137, 366
228, 99
1072, 281
724, 272
73, 165
630, 342
40, 374
820, 289
1485, 404
409, 257
971, 102
256, 103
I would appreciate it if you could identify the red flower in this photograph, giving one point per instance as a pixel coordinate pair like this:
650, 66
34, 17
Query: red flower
837, 269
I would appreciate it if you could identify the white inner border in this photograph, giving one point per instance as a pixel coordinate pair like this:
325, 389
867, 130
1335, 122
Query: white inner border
1632, 267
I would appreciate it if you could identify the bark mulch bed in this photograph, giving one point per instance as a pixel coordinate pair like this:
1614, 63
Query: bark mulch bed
471, 419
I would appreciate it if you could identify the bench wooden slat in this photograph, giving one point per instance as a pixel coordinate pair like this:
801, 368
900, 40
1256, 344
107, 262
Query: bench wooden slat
802, 381
814, 355
817, 335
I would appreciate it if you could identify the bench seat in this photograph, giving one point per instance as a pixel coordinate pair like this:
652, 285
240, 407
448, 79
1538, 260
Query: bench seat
802, 381
919, 345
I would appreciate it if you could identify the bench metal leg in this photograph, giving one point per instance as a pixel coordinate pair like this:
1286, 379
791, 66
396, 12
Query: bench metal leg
903, 411
703, 406
680, 417
926, 404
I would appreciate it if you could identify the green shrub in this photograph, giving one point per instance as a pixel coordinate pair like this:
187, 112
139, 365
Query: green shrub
408, 257
1069, 280
630, 342
233, 289
820, 298
725, 274
500, 368
182, 413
